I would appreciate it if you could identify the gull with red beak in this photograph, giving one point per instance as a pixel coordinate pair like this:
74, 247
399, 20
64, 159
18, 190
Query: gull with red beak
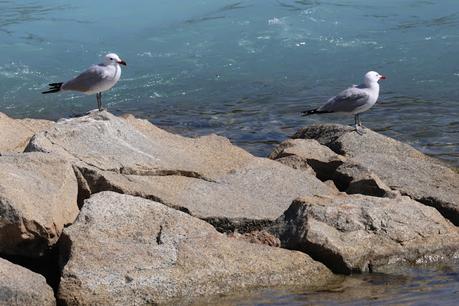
94, 80
354, 100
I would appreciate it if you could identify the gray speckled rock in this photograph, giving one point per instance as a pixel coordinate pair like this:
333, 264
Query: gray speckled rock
206, 176
16, 133
125, 250
355, 233
38, 196
19, 286
398, 165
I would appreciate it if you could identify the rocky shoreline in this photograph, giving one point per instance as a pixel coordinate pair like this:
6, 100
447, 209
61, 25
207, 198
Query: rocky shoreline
127, 213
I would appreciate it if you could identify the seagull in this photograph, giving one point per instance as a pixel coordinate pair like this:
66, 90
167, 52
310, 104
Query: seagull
354, 100
94, 80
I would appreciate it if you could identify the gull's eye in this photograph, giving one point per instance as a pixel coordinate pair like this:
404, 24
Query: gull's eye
111, 58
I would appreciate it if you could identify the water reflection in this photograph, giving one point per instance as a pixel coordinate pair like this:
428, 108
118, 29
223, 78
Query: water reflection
422, 285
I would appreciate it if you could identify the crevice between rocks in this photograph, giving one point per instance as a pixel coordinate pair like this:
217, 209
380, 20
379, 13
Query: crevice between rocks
334, 261
239, 225
48, 265
446, 211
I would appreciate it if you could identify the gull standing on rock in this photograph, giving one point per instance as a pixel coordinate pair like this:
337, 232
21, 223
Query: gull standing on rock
94, 80
354, 100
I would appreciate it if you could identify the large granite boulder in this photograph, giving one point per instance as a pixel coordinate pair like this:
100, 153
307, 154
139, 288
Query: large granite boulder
126, 250
357, 233
207, 176
16, 133
374, 164
19, 286
38, 196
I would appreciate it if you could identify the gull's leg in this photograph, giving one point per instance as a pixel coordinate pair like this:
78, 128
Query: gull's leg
360, 123
358, 127
99, 100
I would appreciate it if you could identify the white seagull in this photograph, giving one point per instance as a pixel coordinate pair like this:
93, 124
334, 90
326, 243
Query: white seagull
94, 80
354, 100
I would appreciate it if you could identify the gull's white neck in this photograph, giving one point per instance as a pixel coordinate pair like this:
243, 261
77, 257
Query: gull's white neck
372, 85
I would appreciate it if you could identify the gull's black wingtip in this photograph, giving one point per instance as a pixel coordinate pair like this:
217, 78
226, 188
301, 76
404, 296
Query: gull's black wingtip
313, 111
309, 112
53, 87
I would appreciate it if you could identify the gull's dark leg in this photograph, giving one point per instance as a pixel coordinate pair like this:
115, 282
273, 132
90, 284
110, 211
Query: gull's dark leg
99, 100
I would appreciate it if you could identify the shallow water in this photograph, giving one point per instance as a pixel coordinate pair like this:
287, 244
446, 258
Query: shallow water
243, 69
422, 285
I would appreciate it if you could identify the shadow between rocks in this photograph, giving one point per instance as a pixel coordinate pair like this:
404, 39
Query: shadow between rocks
48, 265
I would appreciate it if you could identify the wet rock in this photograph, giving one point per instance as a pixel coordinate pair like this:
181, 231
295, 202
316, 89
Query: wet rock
357, 233
16, 133
19, 286
397, 165
126, 250
38, 196
207, 177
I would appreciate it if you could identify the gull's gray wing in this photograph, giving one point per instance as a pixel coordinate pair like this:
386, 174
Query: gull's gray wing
88, 79
346, 101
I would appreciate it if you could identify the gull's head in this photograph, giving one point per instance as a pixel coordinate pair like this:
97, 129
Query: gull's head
373, 77
113, 59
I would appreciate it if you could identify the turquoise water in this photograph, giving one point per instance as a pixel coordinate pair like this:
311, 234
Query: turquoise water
243, 69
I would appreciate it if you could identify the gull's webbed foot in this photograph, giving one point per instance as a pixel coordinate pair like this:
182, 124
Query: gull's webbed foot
359, 129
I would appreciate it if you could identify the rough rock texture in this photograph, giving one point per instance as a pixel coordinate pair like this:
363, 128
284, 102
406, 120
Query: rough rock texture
19, 286
38, 196
125, 250
16, 133
355, 233
206, 176
379, 165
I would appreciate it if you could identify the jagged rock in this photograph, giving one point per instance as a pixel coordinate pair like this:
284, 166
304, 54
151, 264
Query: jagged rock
19, 286
16, 133
308, 154
355, 178
397, 165
125, 250
340, 172
357, 233
38, 196
206, 176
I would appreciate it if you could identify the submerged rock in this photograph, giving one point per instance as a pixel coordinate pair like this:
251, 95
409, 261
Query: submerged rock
19, 286
38, 196
377, 165
126, 250
207, 177
16, 133
357, 233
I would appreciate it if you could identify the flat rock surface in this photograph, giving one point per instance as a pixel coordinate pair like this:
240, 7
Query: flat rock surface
38, 196
397, 165
205, 176
125, 250
19, 286
16, 133
357, 233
